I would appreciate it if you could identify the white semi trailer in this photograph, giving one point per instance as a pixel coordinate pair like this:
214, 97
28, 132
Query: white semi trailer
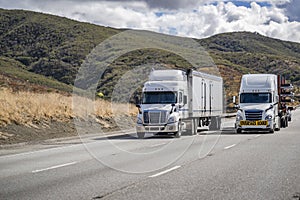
175, 101
262, 103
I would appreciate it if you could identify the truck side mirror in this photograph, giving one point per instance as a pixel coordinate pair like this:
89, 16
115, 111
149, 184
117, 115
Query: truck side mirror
234, 99
139, 108
137, 101
271, 107
184, 99
173, 105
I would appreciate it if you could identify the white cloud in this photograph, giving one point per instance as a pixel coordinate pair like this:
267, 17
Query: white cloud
209, 20
196, 20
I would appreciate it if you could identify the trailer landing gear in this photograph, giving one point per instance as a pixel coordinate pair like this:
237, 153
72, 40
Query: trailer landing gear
215, 124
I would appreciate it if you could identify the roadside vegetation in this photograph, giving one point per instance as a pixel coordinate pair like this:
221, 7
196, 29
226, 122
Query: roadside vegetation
30, 108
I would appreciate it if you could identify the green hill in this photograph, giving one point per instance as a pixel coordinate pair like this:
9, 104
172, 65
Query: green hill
252, 43
252, 52
54, 48
46, 44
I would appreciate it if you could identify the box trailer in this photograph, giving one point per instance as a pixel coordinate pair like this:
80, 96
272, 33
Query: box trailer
175, 102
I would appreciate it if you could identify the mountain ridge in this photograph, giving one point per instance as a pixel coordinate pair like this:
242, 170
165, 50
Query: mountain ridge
55, 47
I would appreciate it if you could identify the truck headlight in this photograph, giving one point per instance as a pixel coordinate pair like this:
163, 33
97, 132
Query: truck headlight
239, 117
269, 117
139, 121
171, 120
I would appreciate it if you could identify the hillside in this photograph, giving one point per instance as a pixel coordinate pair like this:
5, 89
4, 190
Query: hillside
244, 52
251, 52
55, 47
46, 44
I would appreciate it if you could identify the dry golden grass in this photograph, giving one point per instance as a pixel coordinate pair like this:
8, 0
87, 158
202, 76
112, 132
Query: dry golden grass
29, 108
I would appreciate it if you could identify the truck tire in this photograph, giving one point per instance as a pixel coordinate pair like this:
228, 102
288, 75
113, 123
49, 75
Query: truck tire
238, 131
178, 133
283, 122
141, 135
195, 126
279, 125
190, 127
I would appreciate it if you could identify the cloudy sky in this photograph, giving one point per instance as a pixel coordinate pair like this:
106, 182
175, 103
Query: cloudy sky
189, 18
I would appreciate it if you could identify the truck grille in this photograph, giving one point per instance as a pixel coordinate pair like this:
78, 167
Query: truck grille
253, 115
155, 117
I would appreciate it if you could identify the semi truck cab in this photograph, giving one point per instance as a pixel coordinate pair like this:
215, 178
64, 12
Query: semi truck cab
162, 104
258, 104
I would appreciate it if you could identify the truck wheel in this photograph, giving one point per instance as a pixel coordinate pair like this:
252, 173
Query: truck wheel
189, 127
238, 131
141, 135
278, 126
178, 133
283, 123
195, 126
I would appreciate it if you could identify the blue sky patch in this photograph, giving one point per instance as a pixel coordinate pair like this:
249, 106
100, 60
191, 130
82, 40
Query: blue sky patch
246, 4
159, 14
172, 31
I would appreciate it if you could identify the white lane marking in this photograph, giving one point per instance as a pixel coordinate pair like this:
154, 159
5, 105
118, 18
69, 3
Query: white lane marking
228, 147
54, 167
53, 149
38, 151
164, 172
157, 145
257, 136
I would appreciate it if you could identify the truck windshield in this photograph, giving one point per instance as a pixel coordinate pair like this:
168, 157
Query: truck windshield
256, 98
159, 98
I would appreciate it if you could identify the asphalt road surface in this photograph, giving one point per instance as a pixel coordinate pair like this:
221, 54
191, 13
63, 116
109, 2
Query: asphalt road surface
210, 165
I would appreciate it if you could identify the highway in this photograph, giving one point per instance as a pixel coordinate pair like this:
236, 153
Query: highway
210, 165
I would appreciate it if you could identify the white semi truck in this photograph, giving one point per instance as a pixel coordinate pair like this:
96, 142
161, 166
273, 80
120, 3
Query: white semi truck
175, 101
262, 99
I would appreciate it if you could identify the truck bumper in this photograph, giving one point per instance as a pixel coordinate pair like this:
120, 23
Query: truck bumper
255, 129
267, 128
157, 129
